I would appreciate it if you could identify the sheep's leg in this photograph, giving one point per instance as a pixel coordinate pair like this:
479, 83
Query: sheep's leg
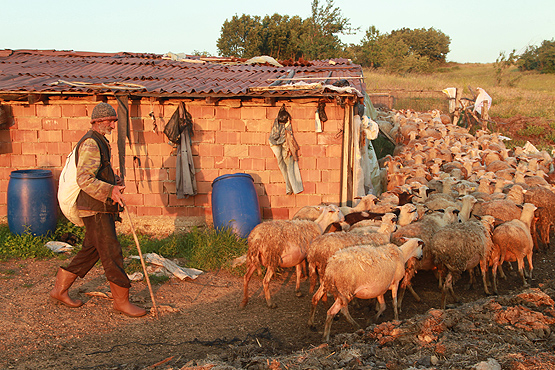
471, 281
334, 309
251, 268
484, 269
520, 263
447, 287
266, 285
501, 272
381, 301
315, 299
345, 312
299, 270
529, 258
494, 276
395, 302
313, 275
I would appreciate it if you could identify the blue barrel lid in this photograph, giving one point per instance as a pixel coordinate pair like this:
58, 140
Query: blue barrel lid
232, 175
31, 174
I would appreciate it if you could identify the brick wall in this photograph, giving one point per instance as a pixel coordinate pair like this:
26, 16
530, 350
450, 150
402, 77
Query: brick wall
230, 137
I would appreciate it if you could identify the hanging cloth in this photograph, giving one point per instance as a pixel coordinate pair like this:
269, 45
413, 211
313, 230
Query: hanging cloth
180, 130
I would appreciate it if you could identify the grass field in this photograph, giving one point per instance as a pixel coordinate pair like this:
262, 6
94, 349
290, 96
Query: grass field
528, 94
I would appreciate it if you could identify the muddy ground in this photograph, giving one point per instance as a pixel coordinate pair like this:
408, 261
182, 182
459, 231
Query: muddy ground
199, 325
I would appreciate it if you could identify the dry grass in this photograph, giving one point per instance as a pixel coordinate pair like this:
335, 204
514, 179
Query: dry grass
528, 94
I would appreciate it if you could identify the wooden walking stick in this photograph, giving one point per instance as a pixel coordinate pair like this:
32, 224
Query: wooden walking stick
142, 261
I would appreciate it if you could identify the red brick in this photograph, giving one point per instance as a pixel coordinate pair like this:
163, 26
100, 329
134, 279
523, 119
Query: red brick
33, 148
207, 174
309, 187
330, 139
233, 125
228, 113
276, 214
138, 124
306, 162
301, 126
227, 137
24, 161
5, 161
275, 189
200, 111
240, 151
330, 198
326, 163
252, 164
271, 164
229, 163
253, 138
173, 201
73, 135
261, 151
302, 200
282, 201
50, 136
25, 136
204, 187
24, 110
204, 162
254, 113
28, 123
49, 110
49, 161
327, 188
259, 125
54, 124
74, 110
313, 151
210, 150
149, 211
155, 200
334, 151
202, 136
202, 200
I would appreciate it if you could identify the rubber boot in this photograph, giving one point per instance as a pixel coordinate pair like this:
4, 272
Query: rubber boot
122, 304
64, 280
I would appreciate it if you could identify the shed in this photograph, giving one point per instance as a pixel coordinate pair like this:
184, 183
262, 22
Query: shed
46, 98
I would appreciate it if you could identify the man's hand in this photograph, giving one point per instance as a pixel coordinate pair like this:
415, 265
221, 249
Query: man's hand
117, 196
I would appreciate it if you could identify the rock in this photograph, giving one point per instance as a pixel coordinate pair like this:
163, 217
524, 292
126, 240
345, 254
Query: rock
490, 364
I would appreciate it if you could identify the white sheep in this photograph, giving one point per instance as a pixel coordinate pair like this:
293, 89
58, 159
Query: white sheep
364, 272
283, 243
325, 246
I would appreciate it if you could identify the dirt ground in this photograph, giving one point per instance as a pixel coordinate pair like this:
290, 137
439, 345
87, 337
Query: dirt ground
199, 325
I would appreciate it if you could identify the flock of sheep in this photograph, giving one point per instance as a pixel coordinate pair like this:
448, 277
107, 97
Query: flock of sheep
455, 202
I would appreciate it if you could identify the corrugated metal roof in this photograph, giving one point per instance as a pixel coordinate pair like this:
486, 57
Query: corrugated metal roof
52, 71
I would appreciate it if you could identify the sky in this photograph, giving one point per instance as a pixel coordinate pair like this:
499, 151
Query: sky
479, 30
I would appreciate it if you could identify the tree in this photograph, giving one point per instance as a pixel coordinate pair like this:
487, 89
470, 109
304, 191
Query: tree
429, 43
540, 58
322, 31
240, 37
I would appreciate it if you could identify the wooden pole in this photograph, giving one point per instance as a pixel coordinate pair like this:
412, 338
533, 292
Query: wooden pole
142, 262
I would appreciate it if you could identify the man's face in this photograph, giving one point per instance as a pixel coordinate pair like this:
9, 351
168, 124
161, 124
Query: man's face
106, 126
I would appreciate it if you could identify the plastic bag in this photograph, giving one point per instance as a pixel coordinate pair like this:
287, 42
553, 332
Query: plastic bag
68, 190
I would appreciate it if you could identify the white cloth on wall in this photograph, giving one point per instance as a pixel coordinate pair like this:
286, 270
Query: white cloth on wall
481, 99
365, 130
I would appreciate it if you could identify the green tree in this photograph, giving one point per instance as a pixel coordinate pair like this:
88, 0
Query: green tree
541, 59
321, 31
429, 43
240, 37
281, 36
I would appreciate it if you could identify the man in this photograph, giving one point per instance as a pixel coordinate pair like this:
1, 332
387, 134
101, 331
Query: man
99, 204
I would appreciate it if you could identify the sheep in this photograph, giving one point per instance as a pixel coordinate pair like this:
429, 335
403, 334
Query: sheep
324, 246
364, 272
513, 241
502, 209
283, 243
544, 199
366, 203
460, 247
387, 226
308, 213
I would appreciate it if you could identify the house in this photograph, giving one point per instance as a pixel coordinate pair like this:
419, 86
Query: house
46, 98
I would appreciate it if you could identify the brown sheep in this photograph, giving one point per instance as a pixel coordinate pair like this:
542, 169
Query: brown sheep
513, 242
283, 243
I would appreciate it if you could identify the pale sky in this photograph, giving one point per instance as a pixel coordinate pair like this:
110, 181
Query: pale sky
479, 30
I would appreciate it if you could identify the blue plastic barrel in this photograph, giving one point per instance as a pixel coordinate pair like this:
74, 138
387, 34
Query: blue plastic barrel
235, 203
32, 204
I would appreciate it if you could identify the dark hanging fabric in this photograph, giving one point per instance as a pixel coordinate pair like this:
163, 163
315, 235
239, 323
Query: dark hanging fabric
180, 121
123, 130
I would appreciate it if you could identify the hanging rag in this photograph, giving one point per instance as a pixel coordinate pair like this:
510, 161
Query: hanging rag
123, 130
180, 130
286, 149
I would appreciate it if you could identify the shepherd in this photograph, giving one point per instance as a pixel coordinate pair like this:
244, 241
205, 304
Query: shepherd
99, 202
